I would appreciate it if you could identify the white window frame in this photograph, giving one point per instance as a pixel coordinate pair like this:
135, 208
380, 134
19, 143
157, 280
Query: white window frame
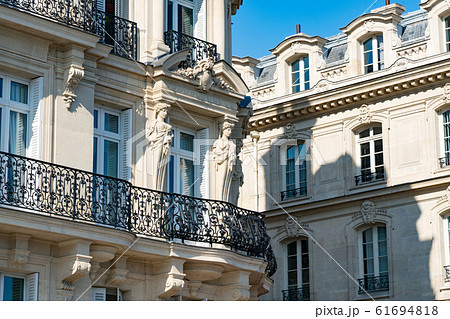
301, 71
446, 229
376, 264
300, 283
101, 134
27, 280
199, 16
184, 3
7, 105
375, 60
446, 38
442, 136
371, 140
297, 169
178, 154
103, 291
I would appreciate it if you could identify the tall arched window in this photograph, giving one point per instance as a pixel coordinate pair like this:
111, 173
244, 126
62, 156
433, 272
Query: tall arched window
373, 54
447, 33
373, 259
370, 155
297, 261
300, 80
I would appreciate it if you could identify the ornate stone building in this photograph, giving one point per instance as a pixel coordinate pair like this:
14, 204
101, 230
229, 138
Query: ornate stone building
110, 188
348, 157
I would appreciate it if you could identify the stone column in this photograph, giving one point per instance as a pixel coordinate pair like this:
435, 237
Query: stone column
218, 25
158, 47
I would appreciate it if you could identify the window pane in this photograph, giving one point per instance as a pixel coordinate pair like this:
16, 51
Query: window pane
17, 133
111, 123
296, 66
378, 146
171, 174
368, 58
305, 261
1, 87
291, 152
378, 159
367, 236
187, 177
185, 20
304, 246
306, 62
292, 263
305, 276
364, 133
95, 119
368, 69
187, 142
377, 130
94, 166
292, 278
383, 264
368, 45
292, 248
170, 16
13, 289
19, 92
447, 22
365, 149
111, 158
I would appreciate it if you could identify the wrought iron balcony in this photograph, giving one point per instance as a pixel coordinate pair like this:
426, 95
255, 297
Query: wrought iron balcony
83, 15
369, 178
298, 294
292, 193
373, 284
63, 192
444, 161
199, 49
447, 273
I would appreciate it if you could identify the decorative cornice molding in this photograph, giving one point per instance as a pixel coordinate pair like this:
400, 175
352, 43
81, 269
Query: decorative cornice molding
72, 77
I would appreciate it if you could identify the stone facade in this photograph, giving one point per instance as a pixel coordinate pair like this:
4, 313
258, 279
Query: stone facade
355, 160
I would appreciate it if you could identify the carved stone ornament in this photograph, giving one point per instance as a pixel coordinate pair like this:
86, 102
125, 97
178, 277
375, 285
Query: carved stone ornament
73, 76
194, 286
241, 294
445, 197
296, 47
18, 257
174, 284
368, 212
368, 25
427, 30
117, 277
294, 227
365, 115
204, 73
290, 133
446, 96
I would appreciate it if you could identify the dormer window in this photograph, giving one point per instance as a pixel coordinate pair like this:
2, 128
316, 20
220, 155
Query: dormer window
373, 54
447, 33
300, 75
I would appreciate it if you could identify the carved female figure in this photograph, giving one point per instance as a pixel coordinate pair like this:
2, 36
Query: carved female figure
160, 136
224, 156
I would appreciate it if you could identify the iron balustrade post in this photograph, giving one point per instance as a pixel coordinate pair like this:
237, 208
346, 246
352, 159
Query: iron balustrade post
75, 189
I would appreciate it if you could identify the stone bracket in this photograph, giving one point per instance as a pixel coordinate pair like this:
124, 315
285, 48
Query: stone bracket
72, 78
117, 277
17, 258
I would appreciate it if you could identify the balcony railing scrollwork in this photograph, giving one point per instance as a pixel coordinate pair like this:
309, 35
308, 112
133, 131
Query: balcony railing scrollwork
293, 193
297, 294
369, 177
378, 283
444, 161
83, 15
60, 191
199, 49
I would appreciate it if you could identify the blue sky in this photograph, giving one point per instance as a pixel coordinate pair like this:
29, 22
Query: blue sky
260, 25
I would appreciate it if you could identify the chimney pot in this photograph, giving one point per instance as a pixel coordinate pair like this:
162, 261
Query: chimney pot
299, 29
388, 2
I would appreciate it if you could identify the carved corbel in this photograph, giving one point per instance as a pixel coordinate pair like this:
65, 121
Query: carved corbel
170, 278
17, 258
117, 277
72, 77
174, 284
235, 286
194, 286
71, 269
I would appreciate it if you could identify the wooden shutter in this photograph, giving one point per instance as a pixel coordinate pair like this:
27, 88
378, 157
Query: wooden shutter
31, 287
34, 139
200, 19
101, 5
98, 294
127, 136
201, 149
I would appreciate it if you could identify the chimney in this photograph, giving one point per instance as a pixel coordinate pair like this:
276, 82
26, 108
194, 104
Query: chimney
299, 28
388, 2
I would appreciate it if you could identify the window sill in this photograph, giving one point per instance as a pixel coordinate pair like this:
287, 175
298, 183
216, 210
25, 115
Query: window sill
382, 182
294, 199
385, 294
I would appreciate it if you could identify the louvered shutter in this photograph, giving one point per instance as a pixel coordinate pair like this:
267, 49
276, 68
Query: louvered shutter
119, 295
98, 294
201, 150
101, 5
200, 19
118, 8
127, 134
31, 287
35, 118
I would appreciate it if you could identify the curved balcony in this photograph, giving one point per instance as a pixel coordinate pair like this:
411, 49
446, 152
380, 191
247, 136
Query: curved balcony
83, 15
63, 192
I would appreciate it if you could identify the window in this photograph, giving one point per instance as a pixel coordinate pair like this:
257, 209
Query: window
300, 75
19, 288
445, 148
370, 153
374, 259
186, 175
297, 261
447, 33
106, 294
373, 52
447, 244
296, 173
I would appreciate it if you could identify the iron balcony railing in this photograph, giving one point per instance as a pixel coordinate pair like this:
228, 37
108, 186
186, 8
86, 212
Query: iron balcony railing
59, 191
369, 178
447, 273
293, 193
373, 283
83, 15
444, 161
297, 294
198, 49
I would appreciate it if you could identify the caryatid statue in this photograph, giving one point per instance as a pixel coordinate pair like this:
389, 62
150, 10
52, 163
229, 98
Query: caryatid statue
224, 157
160, 135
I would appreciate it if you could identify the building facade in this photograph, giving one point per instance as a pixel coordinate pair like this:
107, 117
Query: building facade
348, 157
116, 118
